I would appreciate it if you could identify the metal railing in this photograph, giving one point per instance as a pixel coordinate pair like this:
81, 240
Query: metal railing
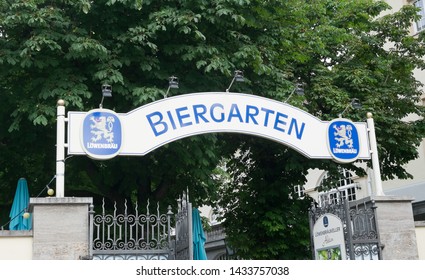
184, 238
131, 235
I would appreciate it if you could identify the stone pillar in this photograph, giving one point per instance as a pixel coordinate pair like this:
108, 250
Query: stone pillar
396, 227
60, 227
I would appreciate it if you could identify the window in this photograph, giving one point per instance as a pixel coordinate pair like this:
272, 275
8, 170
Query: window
345, 190
213, 217
299, 191
420, 25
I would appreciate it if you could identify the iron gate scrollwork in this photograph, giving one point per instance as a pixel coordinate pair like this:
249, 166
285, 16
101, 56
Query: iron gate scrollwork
131, 236
360, 228
365, 241
184, 238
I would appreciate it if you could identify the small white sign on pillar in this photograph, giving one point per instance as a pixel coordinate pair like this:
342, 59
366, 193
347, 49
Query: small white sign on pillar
328, 238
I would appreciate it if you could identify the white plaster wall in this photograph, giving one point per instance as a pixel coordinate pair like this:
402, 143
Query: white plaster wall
420, 239
15, 247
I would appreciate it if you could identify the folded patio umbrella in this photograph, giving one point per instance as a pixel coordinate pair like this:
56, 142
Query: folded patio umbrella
19, 207
198, 237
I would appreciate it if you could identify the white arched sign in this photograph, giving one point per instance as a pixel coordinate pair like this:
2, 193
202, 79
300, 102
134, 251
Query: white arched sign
101, 134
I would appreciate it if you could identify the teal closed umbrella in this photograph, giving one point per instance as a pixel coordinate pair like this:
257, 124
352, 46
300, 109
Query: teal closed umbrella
198, 237
19, 206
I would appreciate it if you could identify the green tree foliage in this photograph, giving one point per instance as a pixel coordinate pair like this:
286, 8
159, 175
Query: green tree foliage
263, 216
339, 50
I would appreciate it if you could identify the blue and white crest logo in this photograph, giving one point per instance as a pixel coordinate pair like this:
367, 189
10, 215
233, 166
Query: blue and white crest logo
325, 221
102, 134
343, 140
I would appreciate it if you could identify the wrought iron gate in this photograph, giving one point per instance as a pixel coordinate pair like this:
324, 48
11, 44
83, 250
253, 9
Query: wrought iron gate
359, 225
131, 236
142, 236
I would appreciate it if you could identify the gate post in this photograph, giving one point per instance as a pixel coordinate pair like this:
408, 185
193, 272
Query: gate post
60, 227
396, 227
349, 230
374, 152
60, 149
91, 214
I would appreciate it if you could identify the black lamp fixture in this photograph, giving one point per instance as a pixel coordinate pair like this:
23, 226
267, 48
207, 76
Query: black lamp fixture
354, 103
298, 89
106, 92
238, 77
173, 82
